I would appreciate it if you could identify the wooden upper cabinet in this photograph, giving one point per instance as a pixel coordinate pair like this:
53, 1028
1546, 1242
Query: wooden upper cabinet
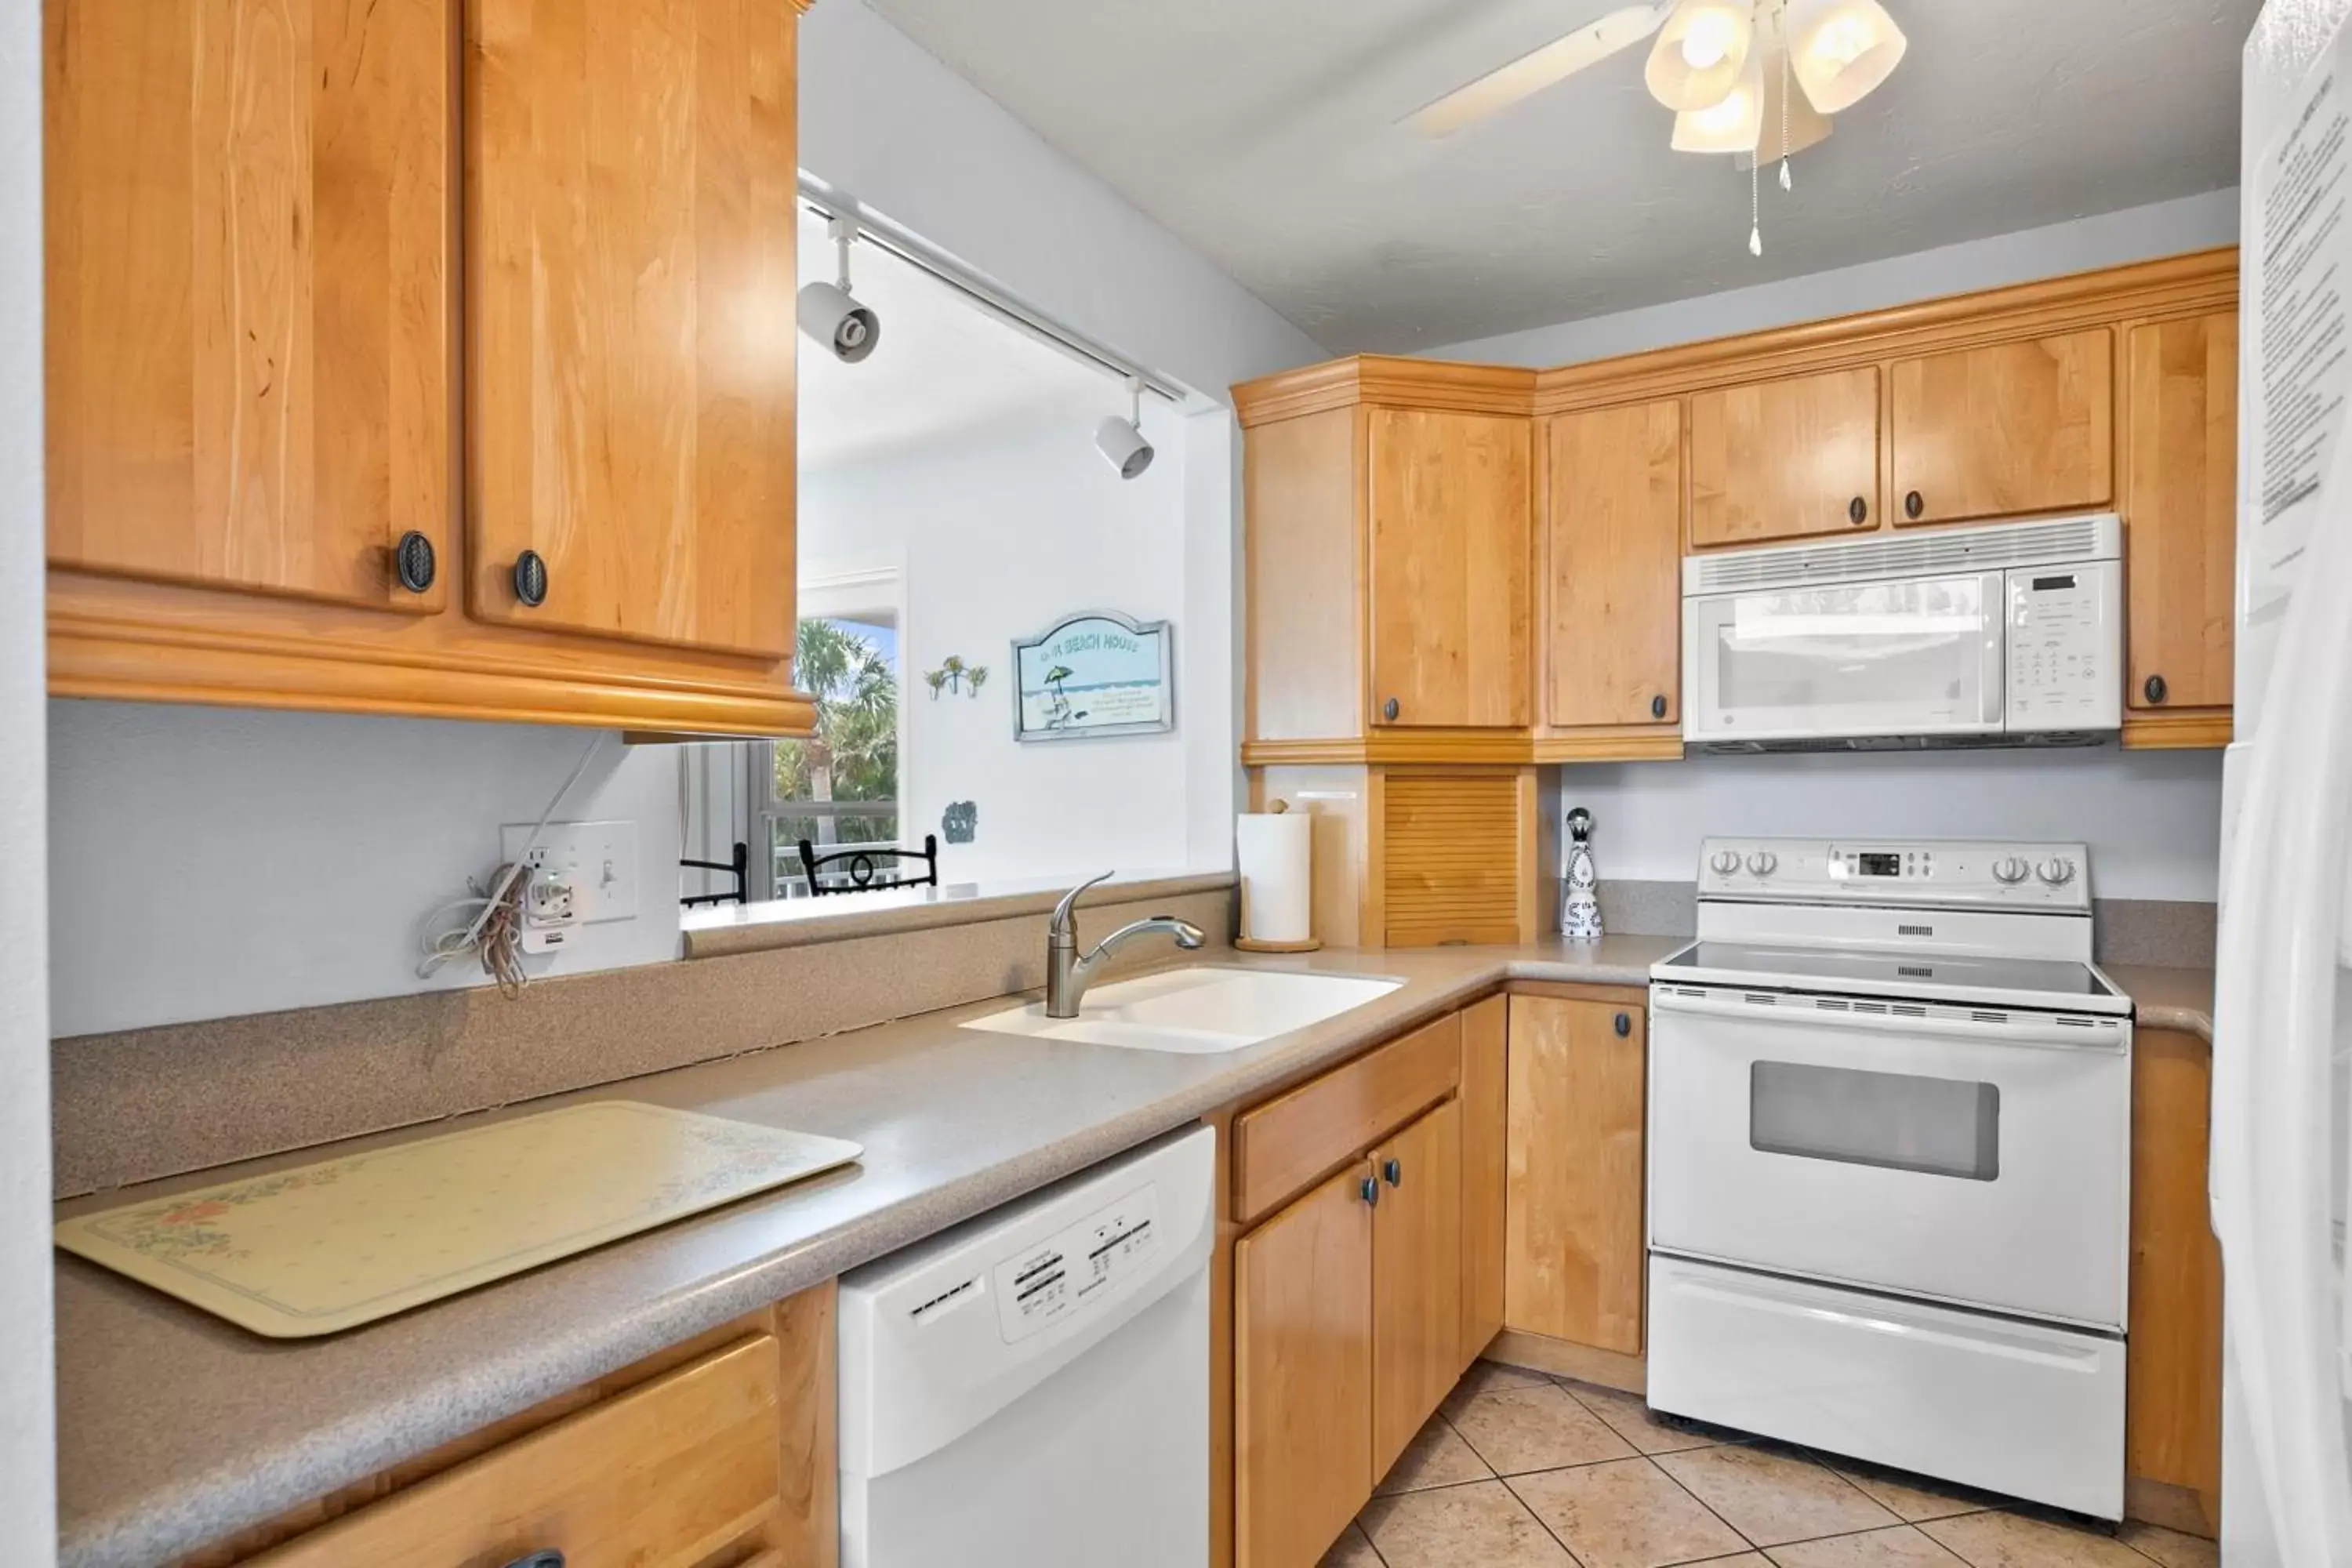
1304, 664
247, 206
2180, 512
1612, 512
1784, 459
629, 223
1451, 531
1572, 1256
2005, 430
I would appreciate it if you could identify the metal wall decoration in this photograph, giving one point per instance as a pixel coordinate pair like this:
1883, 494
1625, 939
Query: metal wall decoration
1094, 675
954, 675
960, 821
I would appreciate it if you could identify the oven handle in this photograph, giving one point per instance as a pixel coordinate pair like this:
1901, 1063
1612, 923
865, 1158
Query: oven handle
2067, 1036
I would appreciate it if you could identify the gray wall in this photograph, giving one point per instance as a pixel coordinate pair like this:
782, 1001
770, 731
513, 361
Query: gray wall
27, 1423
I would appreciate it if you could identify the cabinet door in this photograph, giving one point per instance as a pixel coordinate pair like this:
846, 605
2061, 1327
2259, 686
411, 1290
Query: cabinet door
1785, 459
1451, 531
2180, 512
1615, 511
1303, 1375
2005, 430
1416, 1277
2172, 1405
630, 213
247, 244
1573, 1259
1486, 1129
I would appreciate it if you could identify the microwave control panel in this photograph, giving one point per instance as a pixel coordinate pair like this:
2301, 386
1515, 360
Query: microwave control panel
2065, 647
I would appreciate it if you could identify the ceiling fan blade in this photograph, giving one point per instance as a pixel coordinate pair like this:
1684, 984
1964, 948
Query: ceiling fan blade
1538, 70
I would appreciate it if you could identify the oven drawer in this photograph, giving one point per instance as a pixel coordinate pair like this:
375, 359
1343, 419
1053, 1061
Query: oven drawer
1982, 1163
2023, 1409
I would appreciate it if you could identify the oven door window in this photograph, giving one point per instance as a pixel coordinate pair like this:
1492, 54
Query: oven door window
1943, 1126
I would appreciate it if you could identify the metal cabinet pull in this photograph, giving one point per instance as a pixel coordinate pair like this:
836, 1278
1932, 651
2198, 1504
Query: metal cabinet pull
1858, 509
1914, 504
2155, 689
413, 562
530, 578
1389, 710
1624, 1025
1372, 1191
1393, 1174
547, 1559
1658, 705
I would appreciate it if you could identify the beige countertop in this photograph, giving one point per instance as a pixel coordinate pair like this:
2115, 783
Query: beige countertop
175, 1429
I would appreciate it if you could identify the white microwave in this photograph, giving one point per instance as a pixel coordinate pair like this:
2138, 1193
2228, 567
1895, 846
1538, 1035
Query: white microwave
2005, 635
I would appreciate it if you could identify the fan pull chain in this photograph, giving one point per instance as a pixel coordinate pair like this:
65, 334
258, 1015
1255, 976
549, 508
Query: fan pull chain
1755, 213
1786, 88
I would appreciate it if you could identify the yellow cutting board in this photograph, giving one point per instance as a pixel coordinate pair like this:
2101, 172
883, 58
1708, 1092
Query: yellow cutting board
343, 1242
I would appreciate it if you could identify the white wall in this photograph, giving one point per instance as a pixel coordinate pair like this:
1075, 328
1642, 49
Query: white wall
1002, 533
214, 861
2152, 819
2111, 240
27, 1419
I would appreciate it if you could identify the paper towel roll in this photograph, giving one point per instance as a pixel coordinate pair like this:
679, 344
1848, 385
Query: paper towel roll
1277, 875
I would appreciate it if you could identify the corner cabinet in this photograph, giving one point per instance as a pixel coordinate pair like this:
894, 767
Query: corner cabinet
260, 285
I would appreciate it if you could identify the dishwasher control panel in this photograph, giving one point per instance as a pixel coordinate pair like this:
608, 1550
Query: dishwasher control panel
1077, 1267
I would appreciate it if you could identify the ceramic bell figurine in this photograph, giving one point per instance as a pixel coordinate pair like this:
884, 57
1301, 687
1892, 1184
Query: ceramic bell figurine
1580, 885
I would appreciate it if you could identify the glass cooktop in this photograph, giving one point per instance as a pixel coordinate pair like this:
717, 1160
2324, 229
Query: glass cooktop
2018, 982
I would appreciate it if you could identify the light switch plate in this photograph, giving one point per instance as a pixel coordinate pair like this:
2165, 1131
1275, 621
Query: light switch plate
599, 859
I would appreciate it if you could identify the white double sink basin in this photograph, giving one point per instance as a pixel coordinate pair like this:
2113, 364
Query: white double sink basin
1197, 1011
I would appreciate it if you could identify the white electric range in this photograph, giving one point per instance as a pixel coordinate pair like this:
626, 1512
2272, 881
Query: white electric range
1890, 1162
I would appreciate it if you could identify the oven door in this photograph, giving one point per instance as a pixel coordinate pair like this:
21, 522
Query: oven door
1976, 1157
1919, 656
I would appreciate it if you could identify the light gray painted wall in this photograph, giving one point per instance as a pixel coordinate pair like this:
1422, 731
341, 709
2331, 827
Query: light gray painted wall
2136, 234
27, 1414
290, 857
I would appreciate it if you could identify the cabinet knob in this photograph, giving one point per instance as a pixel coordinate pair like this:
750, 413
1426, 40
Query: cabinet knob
548, 1558
530, 578
1372, 1191
1624, 1025
1858, 509
2155, 687
1914, 504
1389, 710
412, 562
1392, 1172
1658, 705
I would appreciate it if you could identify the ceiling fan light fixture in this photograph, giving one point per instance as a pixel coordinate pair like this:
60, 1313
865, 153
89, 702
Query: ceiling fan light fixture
1842, 49
1791, 128
1736, 124
1700, 53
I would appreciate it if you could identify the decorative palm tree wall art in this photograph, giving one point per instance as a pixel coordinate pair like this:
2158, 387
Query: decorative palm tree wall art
954, 675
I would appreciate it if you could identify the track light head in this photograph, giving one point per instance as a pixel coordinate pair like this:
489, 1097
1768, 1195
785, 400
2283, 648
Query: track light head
1121, 441
830, 314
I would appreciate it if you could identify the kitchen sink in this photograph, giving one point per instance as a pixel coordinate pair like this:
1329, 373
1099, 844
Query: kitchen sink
1197, 1011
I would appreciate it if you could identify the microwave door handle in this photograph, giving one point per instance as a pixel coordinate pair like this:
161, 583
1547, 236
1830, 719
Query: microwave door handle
1993, 694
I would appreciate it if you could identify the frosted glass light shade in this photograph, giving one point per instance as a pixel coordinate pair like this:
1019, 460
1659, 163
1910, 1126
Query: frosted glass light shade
1806, 125
1733, 125
1700, 53
1842, 49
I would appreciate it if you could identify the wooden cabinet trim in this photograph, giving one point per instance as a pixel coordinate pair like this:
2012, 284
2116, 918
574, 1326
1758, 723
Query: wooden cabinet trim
1385, 379
1283, 1146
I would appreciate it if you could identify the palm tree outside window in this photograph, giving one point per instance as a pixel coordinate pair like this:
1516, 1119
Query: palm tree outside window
841, 785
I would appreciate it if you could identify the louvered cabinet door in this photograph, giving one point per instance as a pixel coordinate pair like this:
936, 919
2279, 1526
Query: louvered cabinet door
1456, 857
629, 223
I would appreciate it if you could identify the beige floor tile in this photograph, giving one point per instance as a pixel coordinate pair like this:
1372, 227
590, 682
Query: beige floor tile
1625, 1514
1540, 1428
1480, 1523
1351, 1550
1902, 1547
1772, 1498
2012, 1541
1909, 1497
1437, 1457
1632, 1419
1486, 1377
2169, 1547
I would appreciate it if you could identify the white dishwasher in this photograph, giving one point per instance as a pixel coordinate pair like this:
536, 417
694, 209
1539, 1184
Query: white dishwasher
1032, 1387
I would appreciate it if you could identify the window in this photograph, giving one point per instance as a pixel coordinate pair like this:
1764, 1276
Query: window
845, 784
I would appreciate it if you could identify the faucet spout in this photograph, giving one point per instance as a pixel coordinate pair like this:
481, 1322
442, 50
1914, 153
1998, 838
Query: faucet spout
1067, 974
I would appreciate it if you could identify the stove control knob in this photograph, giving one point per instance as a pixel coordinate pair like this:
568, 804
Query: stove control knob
2057, 871
1763, 862
2009, 868
1725, 862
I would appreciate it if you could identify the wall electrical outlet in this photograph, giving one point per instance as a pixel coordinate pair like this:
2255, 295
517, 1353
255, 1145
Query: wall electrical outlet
582, 873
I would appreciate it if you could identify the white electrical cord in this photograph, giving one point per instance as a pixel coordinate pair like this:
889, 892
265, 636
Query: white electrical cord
451, 941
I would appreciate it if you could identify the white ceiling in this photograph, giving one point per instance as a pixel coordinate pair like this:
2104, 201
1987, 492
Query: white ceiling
944, 368
1263, 132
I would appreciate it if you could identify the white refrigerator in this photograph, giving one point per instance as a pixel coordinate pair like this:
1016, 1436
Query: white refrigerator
2282, 1094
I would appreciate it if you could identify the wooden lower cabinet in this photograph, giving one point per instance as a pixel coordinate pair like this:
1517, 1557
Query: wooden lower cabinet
1572, 1256
2172, 1422
1485, 1129
1416, 1277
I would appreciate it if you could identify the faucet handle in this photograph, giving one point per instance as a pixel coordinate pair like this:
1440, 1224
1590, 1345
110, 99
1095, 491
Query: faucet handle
1063, 925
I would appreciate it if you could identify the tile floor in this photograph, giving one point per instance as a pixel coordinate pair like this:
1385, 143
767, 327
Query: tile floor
1519, 1471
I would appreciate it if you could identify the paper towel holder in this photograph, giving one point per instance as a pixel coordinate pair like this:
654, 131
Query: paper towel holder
1251, 944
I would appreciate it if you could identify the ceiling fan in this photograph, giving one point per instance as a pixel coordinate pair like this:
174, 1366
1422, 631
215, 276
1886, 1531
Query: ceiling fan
1755, 78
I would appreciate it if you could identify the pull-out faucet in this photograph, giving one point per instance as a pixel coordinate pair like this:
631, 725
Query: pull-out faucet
1066, 973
